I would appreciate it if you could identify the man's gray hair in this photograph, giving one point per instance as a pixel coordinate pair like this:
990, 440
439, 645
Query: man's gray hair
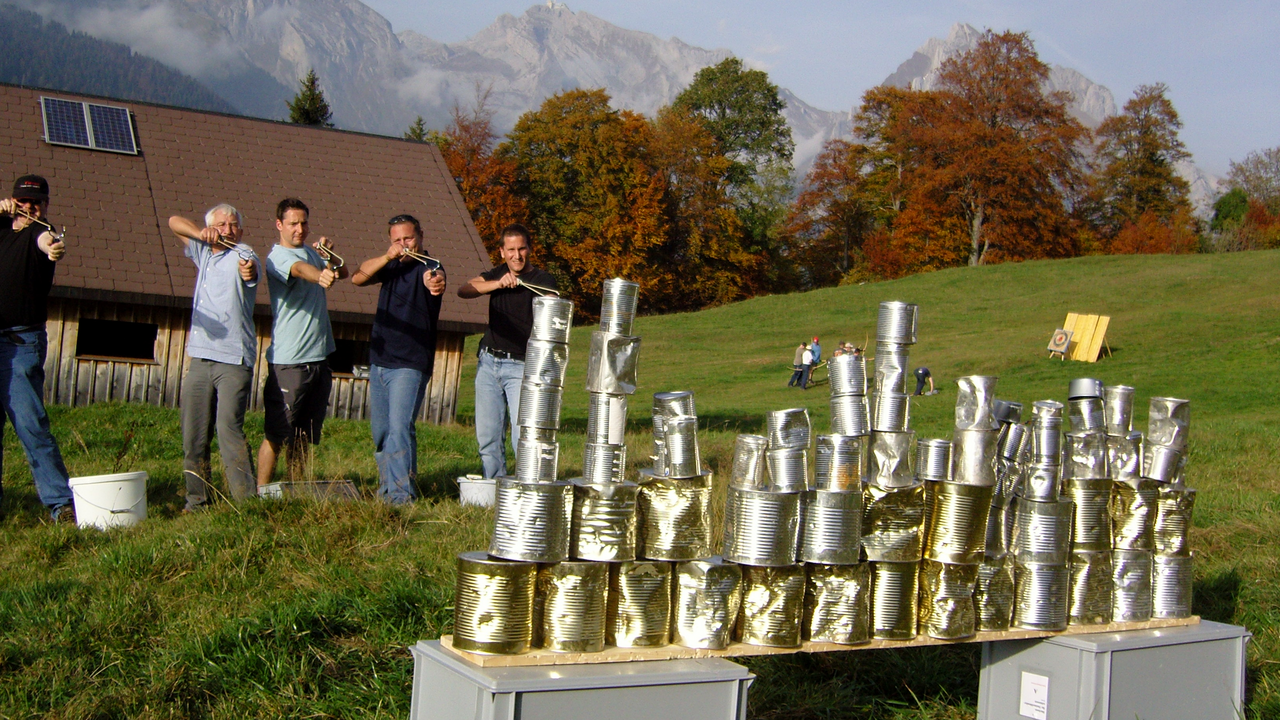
222, 209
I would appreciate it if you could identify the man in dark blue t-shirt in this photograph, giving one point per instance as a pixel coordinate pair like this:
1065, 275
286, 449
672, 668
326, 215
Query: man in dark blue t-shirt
402, 351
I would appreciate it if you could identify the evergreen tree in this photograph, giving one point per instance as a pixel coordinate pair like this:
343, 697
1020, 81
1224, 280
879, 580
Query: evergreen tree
309, 107
418, 131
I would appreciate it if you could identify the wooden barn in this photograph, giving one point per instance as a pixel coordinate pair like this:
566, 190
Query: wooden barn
121, 303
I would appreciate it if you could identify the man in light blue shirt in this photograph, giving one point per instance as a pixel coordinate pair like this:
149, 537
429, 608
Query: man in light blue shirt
296, 396
222, 346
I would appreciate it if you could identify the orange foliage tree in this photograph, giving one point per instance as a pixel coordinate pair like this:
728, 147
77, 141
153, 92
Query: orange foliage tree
833, 214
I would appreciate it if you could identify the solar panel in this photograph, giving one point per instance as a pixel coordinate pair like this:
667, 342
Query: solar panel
112, 129
64, 122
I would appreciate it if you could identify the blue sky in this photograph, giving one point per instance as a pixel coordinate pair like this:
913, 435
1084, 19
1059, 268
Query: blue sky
1220, 60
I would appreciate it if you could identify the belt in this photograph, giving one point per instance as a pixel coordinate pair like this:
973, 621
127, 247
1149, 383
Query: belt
501, 354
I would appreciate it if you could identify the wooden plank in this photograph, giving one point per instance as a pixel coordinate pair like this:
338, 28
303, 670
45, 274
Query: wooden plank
138, 382
84, 383
1099, 334
53, 353
675, 652
1080, 343
360, 399
337, 405
120, 380
454, 378
67, 370
101, 381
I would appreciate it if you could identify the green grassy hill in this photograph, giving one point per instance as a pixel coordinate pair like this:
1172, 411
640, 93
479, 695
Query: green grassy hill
304, 610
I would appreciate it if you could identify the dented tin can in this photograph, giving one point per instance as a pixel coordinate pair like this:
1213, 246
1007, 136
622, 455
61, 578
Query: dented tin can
1087, 415
1161, 462
1007, 412
1172, 531
604, 463
1046, 439
933, 460
1040, 596
749, 462
552, 319
1090, 588
973, 457
639, 604
1051, 409
993, 593
539, 406
708, 598
546, 362
958, 523
674, 518
618, 306
536, 462
1133, 515
896, 322
1000, 521
674, 402
837, 604
1086, 457
762, 528
890, 412
849, 415
895, 606
975, 403
1091, 523
788, 469
606, 418
893, 523
1169, 422
848, 374
572, 605
1042, 531
1124, 458
892, 366
493, 605
891, 463
1171, 582
684, 459
604, 521
772, 606
947, 611
831, 526
531, 521
1042, 481
788, 428
841, 462
612, 362
1119, 409
1131, 585
1014, 441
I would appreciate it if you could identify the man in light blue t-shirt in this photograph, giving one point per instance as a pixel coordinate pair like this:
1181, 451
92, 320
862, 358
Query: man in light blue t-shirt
296, 396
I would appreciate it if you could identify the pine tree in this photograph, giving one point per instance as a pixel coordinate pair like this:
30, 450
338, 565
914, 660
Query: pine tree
417, 131
309, 107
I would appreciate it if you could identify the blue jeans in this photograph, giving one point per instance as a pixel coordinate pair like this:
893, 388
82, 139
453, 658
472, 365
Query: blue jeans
395, 397
22, 393
497, 399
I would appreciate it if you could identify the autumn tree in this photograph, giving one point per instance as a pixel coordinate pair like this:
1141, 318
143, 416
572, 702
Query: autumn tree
834, 213
309, 107
1258, 177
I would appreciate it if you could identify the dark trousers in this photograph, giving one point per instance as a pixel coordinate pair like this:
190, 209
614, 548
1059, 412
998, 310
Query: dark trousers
795, 376
215, 394
804, 378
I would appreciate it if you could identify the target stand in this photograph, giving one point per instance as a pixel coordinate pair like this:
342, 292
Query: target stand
1060, 343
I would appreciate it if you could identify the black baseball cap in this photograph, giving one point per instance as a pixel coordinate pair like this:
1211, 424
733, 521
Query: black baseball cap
31, 187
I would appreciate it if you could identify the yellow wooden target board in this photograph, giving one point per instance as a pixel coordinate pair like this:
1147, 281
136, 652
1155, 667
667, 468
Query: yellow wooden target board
1088, 336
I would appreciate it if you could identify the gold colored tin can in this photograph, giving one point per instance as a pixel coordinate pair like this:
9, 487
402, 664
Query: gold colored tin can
993, 593
572, 606
893, 523
1131, 597
639, 611
531, 521
837, 604
1091, 523
604, 521
674, 518
1090, 588
772, 605
493, 605
1133, 515
1172, 531
895, 600
708, 597
958, 523
947, 610
762, 528
1171, 586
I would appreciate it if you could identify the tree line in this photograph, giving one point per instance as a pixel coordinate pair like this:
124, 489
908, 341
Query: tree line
697, 203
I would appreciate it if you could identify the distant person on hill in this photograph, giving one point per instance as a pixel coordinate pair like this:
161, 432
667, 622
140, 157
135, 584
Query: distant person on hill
222, 346
402, 353
296, 396
923, 375
807, 362
29, 251
797, 367
817, 351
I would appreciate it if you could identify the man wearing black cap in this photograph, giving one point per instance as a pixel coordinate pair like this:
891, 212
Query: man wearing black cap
29, 249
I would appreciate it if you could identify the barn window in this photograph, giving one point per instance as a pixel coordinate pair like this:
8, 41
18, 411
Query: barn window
116, 339
347, 355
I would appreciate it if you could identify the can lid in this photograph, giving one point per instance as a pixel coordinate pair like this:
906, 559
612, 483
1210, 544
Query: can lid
1084, 388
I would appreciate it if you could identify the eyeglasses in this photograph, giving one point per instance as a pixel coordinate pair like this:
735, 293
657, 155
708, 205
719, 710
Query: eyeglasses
403, 219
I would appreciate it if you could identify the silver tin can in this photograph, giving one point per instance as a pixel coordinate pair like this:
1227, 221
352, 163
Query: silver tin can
1042, 531
683, 457
893, 523
536, 462
891, 463
788, 428
1091, 523
1084, 388
618, 306
841, 462
1014, 439
539, 406
604, 463
493, 605
708, 598
1090, 588
895, 607
1124, 458
892, 366
612, 362
603, 527
772, 606
788, 469
958, 523
552, 319
947, 610
572, 605
1046, 409
837, 604
1133, 515
749, 462
890, 412
993, 594
1171, 582
1087, 415
1000, 521
674, 402
606, 418
850, 415
1131, 585
639, 610
1046, 440
1085, 457
973, 457
1007, 412
546, 362
542, 435
896, 322
1040, 596
1008, 478
762, 528
933, 460
1172, 531
1161, 462
975, 403
1168, 422
531, 521
831, 526
848, 375
1042, 481
1119, 409
674, 518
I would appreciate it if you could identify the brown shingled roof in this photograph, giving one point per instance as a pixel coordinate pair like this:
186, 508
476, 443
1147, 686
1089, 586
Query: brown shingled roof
116, 207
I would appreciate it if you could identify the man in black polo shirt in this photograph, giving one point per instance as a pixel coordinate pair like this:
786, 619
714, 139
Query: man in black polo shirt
29, 251
402, 352
500, 365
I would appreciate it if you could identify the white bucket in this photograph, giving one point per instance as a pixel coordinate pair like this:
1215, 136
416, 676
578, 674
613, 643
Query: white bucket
476, 490
105, 501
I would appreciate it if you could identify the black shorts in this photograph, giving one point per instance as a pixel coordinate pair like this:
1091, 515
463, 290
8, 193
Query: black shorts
296, 398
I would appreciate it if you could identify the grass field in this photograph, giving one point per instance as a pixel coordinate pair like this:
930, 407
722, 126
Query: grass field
298, 609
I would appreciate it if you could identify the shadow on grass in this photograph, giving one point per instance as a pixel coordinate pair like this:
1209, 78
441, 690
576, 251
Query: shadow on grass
1216, 598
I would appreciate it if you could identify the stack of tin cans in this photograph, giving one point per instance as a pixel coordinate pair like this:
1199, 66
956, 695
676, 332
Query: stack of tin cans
1042, 526
1087, 481
993, 593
